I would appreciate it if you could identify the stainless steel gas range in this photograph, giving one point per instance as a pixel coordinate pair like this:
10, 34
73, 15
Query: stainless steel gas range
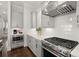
59, 47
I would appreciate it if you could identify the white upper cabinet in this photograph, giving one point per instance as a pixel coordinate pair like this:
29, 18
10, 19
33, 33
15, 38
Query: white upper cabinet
77, 8
77, 12
33, 19
46, 21
16, 15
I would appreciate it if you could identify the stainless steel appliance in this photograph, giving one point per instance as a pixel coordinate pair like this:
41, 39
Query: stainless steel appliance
53, 8
18, 38
58, 46
17, 41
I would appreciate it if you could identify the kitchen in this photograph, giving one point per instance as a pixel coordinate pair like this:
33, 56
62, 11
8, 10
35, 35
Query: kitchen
39, 28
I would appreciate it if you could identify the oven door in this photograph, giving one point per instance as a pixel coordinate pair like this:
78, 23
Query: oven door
18, 38
50, 50
47, 53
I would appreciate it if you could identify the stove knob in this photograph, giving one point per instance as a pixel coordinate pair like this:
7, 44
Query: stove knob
59, 50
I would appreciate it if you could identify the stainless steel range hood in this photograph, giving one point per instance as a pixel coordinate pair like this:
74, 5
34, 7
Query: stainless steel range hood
62, 9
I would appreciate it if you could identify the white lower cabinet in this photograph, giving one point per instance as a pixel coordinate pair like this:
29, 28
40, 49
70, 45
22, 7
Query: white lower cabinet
35, 45
38, 48
29, 42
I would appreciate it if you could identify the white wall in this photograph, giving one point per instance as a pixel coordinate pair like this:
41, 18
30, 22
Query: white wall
66, 27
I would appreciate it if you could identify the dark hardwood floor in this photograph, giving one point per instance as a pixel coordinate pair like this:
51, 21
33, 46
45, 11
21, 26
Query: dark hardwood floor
21, 52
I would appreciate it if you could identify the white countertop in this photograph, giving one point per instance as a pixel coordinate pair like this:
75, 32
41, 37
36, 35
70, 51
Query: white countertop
75, 52
46, 33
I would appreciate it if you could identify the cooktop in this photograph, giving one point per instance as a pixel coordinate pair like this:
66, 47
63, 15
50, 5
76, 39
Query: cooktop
70, 44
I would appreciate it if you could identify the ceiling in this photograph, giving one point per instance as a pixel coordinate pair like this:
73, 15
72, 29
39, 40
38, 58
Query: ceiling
34, 4
29, 4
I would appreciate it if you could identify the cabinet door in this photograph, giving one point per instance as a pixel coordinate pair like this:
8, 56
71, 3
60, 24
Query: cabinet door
77, 12
33, 19
34, 45
38, 48
28, 40
31, 43
16, 16
20, 20
47, 22
14, 19
77, 9
17, 20
44, 21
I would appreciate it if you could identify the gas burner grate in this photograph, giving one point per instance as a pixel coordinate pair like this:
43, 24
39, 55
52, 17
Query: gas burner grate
62, 42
